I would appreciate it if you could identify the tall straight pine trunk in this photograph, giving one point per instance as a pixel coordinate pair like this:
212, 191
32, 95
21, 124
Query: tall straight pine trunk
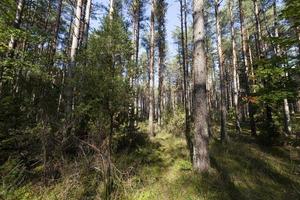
73, 51
200, 147
224, 135
86, 27
161, 14
185, 83
245, 71
234, 68
151, 70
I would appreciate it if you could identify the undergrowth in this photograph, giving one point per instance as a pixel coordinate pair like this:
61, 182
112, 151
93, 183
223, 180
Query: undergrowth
159, 169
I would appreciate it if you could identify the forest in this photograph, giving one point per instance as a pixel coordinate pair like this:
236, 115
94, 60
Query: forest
149, 100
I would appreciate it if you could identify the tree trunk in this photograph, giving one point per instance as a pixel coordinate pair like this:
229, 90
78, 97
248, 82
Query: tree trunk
12, 42
277, 50
234, 68
111, 9
137, 26
224, 136
74, 46
86, 22
258, 45
185, 88
287, 117
200, 148
189, 96
151, 70
246, 70
161, 14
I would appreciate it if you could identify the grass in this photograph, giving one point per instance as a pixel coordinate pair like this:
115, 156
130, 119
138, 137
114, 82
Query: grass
159, 169
239, 170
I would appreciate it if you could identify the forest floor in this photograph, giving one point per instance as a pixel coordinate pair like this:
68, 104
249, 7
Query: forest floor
160, 170
239, 170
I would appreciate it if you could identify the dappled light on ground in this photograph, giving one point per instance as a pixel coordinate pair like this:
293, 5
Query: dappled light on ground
239, 170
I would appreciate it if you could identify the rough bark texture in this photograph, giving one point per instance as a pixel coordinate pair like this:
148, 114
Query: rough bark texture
200, 148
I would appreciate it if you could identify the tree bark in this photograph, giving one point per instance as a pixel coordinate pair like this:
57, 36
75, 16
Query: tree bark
200, 148
258, 45
246, 70
224, 136
87, 17
17, 21
74, 46
185, 83
277, 50
137, 26
151, 70
111, 9
287, 117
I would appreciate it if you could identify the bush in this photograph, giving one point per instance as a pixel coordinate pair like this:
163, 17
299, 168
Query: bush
174, 122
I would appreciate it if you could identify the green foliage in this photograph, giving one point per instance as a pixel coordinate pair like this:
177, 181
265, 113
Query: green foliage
101, 77
174, 121
275, 85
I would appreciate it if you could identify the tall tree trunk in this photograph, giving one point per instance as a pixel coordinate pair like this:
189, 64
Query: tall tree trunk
137, 26
185, 83
151, 70
287, 117
277, 50
111, 9
200, 148
258, 40
74, 46
189, 96
224, 135
160, 89
17, 21
86, 27
246, 70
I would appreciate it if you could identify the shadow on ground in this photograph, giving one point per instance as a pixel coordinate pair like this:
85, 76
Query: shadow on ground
239, 170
